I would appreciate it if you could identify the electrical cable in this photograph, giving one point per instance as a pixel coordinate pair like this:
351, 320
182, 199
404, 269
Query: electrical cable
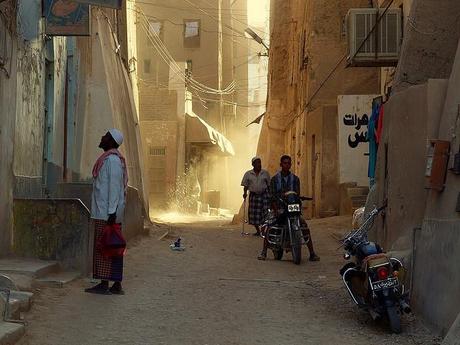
331, 73
167, 57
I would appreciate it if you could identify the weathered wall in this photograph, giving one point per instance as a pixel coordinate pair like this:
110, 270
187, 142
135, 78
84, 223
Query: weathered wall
157, 104
160, 134
307, 43
311, 186
430, 42
410, 119
437, 282
51, 229
8, 51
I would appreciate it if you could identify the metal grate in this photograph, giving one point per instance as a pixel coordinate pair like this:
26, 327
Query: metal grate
157, 151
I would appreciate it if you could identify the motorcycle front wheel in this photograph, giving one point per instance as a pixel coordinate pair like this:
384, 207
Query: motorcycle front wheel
394, 318
297, 254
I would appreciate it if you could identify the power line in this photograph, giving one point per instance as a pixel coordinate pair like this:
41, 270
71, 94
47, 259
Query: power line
229, 35
334, 69
169, 60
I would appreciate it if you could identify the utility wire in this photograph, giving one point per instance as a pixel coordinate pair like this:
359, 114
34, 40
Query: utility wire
167, 57
331, 73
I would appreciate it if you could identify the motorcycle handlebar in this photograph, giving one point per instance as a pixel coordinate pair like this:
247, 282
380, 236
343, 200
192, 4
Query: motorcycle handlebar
303, 198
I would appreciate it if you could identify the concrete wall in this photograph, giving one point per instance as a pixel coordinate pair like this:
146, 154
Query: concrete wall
430, 42
437, 282
8, 51
51, 229
411, 117
133, 223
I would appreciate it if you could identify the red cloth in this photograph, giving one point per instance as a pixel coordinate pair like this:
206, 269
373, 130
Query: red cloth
112, 242
100, 162
105, 267
378, 135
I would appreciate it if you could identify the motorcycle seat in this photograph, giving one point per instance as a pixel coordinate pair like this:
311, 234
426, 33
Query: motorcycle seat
375, 260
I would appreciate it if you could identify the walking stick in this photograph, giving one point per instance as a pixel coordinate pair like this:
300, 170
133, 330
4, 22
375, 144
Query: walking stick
243, 233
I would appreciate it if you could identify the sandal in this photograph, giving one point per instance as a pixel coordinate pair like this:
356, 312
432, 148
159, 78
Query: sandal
116, 289
100, 289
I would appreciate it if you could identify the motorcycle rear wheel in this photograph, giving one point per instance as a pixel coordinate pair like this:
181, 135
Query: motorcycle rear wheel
278, 254
394, 318
297, 254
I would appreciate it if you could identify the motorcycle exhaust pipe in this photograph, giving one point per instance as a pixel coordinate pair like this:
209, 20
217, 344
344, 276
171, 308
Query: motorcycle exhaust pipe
405, 307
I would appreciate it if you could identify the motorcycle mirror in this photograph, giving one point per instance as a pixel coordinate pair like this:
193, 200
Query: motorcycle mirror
346, 256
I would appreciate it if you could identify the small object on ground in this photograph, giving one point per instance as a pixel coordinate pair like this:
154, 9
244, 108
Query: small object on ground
176, 246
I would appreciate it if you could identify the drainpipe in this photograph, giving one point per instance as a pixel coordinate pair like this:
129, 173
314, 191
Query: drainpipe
412, 264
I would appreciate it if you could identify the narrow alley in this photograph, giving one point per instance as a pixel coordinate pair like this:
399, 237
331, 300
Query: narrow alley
216, 292
137, 137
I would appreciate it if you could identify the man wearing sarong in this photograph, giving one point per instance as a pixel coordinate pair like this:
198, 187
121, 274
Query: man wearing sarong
285, 181
110, 181
257, 182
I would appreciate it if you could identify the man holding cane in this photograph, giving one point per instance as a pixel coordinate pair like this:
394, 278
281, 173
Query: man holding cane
257, 182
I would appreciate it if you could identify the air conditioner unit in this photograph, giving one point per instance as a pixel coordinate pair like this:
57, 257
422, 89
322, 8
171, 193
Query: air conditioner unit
383, 45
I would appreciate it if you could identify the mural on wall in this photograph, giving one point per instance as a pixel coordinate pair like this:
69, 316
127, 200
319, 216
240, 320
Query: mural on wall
66, 18
354, 112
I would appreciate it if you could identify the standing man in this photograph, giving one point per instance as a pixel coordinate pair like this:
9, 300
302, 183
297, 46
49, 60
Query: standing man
110, 181
285, 181
257, 181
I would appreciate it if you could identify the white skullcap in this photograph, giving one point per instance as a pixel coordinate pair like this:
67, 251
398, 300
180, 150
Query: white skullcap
116, 135
255, 158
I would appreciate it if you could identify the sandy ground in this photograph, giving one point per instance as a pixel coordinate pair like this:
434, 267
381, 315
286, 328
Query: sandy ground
216, 293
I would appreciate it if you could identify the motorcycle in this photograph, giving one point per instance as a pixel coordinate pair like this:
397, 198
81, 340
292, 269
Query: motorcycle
283, 232
374, 280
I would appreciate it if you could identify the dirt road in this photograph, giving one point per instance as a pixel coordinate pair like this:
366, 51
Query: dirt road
216, 293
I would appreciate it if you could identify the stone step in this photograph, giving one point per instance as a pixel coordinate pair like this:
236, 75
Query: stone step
10, 332
28, 267
57, 279
19, 302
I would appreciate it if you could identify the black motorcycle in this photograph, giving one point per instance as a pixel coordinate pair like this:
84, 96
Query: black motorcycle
374, 280
284, 230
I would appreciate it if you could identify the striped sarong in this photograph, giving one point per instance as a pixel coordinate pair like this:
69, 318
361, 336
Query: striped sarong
105, 268
258, 207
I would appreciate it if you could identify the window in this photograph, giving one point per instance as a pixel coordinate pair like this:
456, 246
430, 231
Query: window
156, 28
189, 68
192, 33
147, 66
157, 150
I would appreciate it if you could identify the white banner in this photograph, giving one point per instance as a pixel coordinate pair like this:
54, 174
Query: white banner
354, 113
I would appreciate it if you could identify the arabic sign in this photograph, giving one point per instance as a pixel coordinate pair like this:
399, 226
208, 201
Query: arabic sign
102, 3
354, 113
66, 18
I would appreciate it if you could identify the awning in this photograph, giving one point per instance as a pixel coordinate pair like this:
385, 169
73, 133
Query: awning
256, 120
198, 131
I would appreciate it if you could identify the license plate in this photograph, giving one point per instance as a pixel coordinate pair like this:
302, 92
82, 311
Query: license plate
385, 284
294, 208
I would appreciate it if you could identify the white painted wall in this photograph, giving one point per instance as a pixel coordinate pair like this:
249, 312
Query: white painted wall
353, 149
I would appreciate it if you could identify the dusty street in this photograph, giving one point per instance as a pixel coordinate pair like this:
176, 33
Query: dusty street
216, 292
